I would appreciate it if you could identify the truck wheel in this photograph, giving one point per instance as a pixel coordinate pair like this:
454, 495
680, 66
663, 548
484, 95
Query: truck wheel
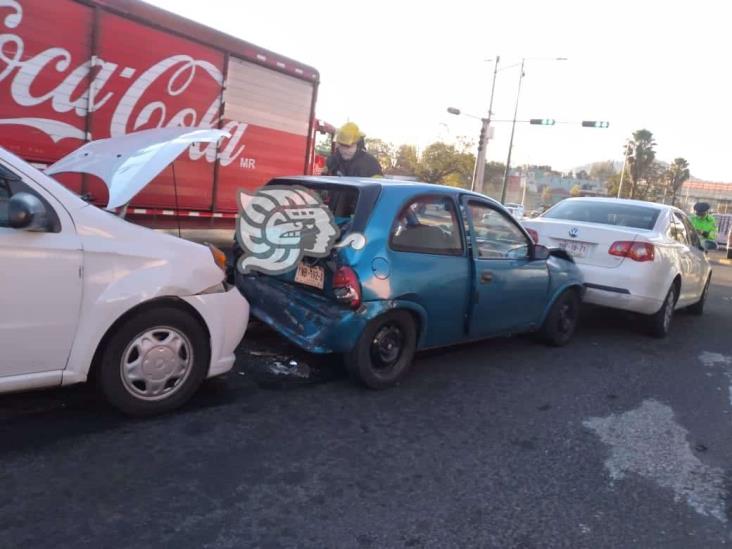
698, 307
385, 350
154, 362
659, 324
561, 322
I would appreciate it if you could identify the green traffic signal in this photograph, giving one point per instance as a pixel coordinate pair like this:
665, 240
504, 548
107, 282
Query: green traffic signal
595, 124
542, 121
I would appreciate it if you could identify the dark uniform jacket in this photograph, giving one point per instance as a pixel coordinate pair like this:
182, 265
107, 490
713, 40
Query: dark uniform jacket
361, 165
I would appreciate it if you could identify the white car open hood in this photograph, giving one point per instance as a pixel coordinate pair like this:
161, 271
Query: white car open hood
128, 163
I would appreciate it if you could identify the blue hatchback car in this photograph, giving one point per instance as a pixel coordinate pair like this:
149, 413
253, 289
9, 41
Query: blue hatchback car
440, 266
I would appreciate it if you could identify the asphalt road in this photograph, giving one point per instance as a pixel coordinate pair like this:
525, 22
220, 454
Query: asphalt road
617, 440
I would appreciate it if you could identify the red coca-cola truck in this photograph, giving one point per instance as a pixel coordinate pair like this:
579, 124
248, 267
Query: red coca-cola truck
77, 70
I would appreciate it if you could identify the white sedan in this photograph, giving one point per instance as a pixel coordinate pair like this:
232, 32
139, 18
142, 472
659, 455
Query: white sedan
85, 294
636, 256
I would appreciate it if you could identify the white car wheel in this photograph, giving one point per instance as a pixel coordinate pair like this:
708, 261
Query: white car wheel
154, 361
659, 324
698, 307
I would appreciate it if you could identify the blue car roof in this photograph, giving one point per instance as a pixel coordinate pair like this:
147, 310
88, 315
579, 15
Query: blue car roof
418, 187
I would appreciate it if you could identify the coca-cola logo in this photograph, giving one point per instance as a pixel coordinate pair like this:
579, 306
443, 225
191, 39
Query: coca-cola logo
131, 109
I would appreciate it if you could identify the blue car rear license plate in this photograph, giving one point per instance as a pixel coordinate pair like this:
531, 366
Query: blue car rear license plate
310, 276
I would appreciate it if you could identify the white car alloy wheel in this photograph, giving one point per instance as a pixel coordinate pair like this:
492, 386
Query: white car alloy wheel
156, 363
659, 324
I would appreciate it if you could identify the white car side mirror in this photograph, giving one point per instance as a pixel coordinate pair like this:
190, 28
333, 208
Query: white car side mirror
27, 212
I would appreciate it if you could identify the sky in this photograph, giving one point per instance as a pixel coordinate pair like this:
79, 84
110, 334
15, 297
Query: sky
395, 66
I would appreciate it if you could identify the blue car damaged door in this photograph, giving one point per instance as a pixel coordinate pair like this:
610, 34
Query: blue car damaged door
430, 267
510, 289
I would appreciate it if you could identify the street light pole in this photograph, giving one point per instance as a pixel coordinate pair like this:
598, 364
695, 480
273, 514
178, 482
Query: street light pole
622, 173
479, 171
513, 130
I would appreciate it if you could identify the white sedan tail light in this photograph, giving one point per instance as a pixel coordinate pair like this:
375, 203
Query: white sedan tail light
637, 251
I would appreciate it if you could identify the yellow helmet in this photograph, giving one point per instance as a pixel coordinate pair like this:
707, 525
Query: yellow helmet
348, 134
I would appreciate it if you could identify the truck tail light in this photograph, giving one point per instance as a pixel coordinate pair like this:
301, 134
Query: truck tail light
346, 287
534, 235
637, 251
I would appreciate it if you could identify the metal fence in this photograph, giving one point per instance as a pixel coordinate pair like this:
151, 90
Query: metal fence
724, 225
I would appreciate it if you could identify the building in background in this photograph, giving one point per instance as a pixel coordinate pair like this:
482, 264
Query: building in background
536, 188
718, 195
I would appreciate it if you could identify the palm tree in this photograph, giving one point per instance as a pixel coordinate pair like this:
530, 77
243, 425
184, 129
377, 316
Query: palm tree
677, 174
641, 155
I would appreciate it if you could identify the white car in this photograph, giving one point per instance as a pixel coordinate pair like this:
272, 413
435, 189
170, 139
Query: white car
636, 256
84, 293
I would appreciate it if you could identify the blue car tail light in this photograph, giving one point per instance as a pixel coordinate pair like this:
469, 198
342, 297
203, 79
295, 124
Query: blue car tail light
346, 287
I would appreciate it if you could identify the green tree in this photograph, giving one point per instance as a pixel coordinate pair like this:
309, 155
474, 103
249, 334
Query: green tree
641, 156
575, 191
406, 162
676, 175
493, 178
652, 186
445, 163
613, 182
383, 151
602, 171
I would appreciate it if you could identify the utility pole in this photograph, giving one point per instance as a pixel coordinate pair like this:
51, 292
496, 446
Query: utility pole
513, 130
622, 173
479, 171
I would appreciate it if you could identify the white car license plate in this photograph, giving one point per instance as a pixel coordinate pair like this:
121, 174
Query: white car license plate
310, 276
574, 248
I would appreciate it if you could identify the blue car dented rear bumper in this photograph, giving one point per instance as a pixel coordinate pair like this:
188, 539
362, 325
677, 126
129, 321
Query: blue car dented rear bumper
311, 321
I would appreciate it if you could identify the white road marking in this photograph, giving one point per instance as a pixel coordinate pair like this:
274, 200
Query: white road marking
648, 442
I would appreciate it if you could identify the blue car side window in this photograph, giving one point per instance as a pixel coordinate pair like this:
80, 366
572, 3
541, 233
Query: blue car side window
496, 237
428, 224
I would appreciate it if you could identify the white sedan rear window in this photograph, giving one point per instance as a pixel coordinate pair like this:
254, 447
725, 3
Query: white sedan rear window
605, 213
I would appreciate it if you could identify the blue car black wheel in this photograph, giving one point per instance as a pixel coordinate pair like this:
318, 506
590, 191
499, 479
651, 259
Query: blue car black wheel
387, 346
561, 322
384, 352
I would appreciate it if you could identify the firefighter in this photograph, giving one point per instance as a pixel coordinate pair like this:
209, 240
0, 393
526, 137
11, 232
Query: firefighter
350, 157
703, 221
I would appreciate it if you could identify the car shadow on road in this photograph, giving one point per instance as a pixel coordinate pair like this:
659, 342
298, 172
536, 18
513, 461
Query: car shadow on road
266, 361
35, 419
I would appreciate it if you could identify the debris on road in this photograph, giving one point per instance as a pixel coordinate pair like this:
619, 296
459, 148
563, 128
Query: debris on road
262, 353
291, 368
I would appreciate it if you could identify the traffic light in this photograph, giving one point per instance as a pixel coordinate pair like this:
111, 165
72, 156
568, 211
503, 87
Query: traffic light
595, 124
481, 138
542, 121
